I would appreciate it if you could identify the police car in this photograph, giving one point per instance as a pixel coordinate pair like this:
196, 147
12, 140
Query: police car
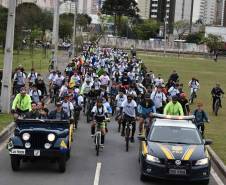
174, 149
36, 139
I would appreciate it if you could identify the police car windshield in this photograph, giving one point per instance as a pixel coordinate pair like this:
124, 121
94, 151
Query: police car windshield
177, 135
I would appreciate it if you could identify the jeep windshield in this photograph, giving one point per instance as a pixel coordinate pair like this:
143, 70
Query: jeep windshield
175, 135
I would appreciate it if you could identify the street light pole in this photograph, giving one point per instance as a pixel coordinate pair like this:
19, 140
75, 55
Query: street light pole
8, 58
56, 31
74, 51
165, 35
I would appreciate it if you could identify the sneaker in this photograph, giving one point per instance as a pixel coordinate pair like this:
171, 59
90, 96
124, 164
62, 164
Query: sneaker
132, 140
92, 135
123, 134
101, 145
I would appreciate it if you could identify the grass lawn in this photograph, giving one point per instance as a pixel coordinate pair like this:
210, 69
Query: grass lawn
208, 73
5, 119
41, 62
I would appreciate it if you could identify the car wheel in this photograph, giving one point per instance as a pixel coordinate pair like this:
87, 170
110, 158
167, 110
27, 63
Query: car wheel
15, 163
204, 182
143, 177
62, 164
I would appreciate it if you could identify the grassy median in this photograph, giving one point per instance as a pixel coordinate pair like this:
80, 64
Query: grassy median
208, 73
5, 119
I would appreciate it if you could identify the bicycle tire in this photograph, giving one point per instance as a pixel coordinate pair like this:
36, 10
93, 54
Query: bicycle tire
97, 145
216, 107
127, 138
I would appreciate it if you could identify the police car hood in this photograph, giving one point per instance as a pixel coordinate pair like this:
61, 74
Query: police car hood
176, 151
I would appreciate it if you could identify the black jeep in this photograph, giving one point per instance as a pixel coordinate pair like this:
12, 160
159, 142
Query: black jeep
36, 139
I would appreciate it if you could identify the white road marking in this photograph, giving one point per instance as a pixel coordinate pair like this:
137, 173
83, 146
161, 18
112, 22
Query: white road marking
97, 174
216, 177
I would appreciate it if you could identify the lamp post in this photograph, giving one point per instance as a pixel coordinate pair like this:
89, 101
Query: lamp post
74, 51
165, 25
8, 58
55, 38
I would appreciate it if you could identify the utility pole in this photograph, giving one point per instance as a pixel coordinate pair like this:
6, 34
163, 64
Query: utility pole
8, 58
191, 17
165, 28
56, 31
74, 50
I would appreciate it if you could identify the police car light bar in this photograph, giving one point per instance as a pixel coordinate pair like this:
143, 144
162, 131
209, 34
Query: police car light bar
163, 116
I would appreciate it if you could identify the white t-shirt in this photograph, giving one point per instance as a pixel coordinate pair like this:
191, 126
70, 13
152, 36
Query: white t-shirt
104, 79
158, 81
80, 100
58, 80
101, 111
120, 99
173, 91
158, 98
68, 108
129, 108
193, 84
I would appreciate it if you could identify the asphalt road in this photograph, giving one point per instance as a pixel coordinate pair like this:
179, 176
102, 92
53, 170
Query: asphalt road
117, 166
114, 166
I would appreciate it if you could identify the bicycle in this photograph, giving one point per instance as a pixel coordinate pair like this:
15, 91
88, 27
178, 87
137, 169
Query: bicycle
97, 136
192, 96
217, 105
128, 129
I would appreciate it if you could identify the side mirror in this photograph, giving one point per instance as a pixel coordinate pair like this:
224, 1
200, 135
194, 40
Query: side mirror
208, 141
142, 138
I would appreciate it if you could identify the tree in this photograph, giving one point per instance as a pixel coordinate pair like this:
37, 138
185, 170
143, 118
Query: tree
3, 24
66, 26
146, 29
196, 38
214, 42
119, 8
83, 20
181, 28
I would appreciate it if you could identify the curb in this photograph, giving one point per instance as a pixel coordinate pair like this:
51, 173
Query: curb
7, 132
219, 163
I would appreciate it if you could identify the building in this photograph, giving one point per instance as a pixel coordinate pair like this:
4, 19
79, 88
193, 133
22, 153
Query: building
144, 7
182, 10
44, 4
67, 7
221, 13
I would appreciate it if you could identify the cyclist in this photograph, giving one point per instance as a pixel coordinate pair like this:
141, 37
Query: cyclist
184, 103
120, 98
194, 86
159, 99
145, 108
85, 89
200, 118
174, 90
21, 103
174, 76
129, 110
19, 80
99, 113
174, 108
32, 76
216, 94
35, 94
67, 106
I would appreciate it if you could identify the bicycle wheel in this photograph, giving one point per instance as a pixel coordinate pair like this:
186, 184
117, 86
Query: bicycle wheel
216, 107
127, 138
97, 144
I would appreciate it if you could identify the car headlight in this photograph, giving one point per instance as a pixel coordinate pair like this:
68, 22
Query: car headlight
51, 137
201, 162
26, 136
152, 158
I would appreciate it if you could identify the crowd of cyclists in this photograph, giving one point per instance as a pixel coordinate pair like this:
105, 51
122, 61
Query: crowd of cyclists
106, 82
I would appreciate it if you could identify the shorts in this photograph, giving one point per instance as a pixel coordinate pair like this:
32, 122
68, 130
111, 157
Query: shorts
144, 116
101, 125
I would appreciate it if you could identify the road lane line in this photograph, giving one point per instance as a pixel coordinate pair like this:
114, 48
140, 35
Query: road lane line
216, 177
97, 174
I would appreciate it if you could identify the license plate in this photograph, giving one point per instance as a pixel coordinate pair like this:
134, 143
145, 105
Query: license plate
36, 153
177, 172
17, 152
